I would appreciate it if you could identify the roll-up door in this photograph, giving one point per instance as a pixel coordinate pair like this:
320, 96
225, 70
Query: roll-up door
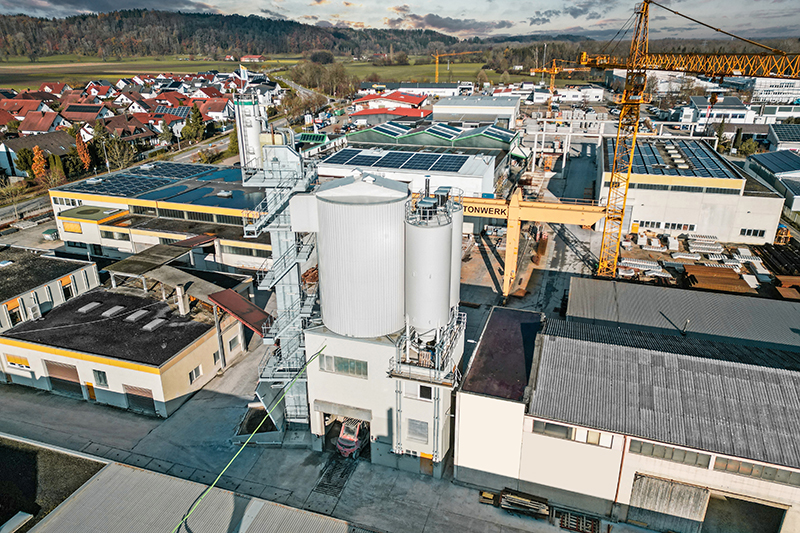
666, 505
140, 400
64, 378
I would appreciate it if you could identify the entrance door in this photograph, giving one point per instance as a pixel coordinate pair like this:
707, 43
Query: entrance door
140, 400
63, 378
665, 505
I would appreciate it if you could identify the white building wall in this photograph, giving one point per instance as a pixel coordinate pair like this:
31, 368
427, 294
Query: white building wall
474, 185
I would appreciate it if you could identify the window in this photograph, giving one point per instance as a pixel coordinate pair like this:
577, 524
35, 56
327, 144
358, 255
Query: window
196, 373
233, 343
216, 357
73, 244
200, 217
418, 430
425, 392
685, 188
227, 219
72, 227
668, 453
720, 190
162, 240
15, 315
552, 430
141, 210
420, 392
343, 365
100, 378
766, 473
17, 361
114, 235
171, 213
653, 187
66, 290
751, 232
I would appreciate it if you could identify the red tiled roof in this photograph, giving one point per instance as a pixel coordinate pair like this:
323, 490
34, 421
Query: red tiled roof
213, 105
53, 86
19, 108
156, 118
5, 117
395, 96
398, 112
38, 121
211, 92
82, 112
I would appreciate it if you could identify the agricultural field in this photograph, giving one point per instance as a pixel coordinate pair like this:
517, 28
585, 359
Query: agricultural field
20, 74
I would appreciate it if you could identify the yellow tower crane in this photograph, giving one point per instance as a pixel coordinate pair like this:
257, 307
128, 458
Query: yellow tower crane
553, 70
773, 63
437, 55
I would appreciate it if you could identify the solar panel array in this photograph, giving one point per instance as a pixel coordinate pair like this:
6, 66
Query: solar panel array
399, 160
787, 132
778, 162
77, 108
702, 160
443, 130
498, 133
311, 138
166, 169
182, 111
392, 129
120, 185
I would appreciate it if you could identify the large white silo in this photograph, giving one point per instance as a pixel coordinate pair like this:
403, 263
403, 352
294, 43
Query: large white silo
360, 246
249, 122
429, 249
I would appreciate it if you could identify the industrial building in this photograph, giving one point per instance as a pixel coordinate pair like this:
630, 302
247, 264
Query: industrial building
32, 283
124, 348
767, 90
476, 175
782, 171
727, 108
127, 211
784, 137
636, 423
681, 185
441, 90
474, 111
437, 135
392, 336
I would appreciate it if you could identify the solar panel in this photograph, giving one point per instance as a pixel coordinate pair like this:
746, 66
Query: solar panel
341, 157
443, 130
392, 129
364, 160
421, 161
393, 160
449, 163
787, 132
182, 111
166, 169
121, 185
311, 138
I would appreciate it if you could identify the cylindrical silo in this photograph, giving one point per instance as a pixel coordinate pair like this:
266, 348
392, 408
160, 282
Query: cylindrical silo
429, 248
360, 246
248, 123
457, 212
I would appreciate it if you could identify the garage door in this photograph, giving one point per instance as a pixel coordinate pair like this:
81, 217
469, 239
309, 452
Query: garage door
140, 400
666, 505
64, 378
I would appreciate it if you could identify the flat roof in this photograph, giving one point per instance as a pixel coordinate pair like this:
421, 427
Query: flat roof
184, 227
706, 315
181, 183
651, 157
148, 259
778, 162
478, 101
125, 499
503, 359
407, 161
718, 397
90, 212
786, 132
28, 269
114, 336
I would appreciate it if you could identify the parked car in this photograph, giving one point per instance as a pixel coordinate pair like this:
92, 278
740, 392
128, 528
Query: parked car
353, 436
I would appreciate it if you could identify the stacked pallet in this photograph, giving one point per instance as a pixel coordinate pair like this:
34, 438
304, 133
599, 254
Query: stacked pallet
684, 255
527, 504
716, 277
704, 247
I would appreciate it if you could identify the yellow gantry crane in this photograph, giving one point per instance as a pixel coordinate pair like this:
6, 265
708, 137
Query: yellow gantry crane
437, 55
773, 63
553, 70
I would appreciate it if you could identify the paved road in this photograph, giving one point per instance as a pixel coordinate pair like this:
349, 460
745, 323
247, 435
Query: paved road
187, 156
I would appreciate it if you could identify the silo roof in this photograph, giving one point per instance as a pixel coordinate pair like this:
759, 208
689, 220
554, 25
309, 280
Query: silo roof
365, 189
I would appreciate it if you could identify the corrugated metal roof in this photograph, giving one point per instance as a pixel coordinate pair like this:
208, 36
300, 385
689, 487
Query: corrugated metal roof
723, 398
123, 499
706, 315
778, 162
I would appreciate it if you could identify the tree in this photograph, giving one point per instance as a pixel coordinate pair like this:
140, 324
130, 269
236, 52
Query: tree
12, 193
12, 126
722, 141
737, 141
194, 128
166, 134
749, 147
323, 57
83, 152
120, 153
24, 160
39, 166
233, 142
482, 78
99, 130
401, 58
505, 78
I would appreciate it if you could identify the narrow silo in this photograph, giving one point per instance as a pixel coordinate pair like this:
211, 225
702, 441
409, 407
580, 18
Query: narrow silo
360, 245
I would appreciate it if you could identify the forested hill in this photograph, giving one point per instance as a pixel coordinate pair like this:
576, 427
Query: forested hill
142, 32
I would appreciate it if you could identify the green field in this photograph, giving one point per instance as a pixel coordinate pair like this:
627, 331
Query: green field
20, 74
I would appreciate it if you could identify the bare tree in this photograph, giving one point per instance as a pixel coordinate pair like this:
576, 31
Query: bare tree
120, 153
12, 193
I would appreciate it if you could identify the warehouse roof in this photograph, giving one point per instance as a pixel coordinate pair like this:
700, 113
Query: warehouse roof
778, 162
705, 315
114, 326
717, 397
786, 132
504, 356
124, 499
22, 270
478, 101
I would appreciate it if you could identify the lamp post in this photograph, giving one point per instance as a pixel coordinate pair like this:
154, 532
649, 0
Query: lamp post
108, 166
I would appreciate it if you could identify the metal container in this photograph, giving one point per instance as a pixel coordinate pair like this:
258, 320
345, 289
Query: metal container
429, 250
248, 122
360, 246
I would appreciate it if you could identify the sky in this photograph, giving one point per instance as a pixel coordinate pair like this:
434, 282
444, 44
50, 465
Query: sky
599, 19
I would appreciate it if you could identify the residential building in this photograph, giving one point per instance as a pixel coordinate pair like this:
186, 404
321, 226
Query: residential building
473, 111
125, 348
54, 88
32, 283
252, 59
780, 169
124, 127
784, 137
86, 113
680, 185
102, 91
390, 100
39, 122
21, 107
373, 117
57, 143
216, 109
659, 430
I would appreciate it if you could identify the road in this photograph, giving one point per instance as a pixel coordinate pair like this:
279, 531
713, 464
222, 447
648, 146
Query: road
188, 156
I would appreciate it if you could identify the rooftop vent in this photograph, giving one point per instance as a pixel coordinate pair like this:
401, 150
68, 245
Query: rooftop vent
113, 311
225, 194
94, 181
133, 317
153, 324
88, 307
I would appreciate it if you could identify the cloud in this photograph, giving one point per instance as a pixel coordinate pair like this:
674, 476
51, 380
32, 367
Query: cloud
402, 10
273, 14
543, 17
62, 8
589, 8
309, 17
447, 24
319, 2
351, 4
